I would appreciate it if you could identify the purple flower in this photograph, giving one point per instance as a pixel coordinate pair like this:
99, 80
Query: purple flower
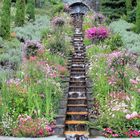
97, 32
91, 33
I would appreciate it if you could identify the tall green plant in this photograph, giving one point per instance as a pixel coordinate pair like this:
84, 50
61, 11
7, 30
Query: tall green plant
138, 17
5, 19
20, 12
113, 8
31, 9
128, 6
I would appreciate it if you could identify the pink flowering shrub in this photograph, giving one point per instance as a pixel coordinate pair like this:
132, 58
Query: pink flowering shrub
134, 115
117, 74
108, 132
99, 33
116, 88
132, 133
29, 127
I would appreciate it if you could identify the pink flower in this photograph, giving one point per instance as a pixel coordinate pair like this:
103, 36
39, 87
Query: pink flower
91, 33
108, 130
128, 116
115, 135
53, 75
134, 114
33, 58
112, 56
97, 32
48, 128
133, 133
134, 82
112, 80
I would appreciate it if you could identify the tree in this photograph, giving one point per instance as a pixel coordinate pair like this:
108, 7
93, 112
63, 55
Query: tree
31, 9
138, 17
20, 12
5, 19
113, 8
128, 6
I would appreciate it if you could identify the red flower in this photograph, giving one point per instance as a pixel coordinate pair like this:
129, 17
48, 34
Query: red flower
41, 132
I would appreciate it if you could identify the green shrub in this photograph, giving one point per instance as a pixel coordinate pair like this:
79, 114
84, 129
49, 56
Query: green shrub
31, 9
130, 39
113, 8
56, 45
5, 19
33, 31
34, 95
20, 12
11, 56
128, 6
57, 42
138, 17
114, 42
132, 16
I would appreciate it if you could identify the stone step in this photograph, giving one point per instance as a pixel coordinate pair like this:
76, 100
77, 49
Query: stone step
76, 133
73, 122
77, 113
77, 105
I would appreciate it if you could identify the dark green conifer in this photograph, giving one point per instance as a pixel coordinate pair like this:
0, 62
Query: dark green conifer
128, 6
138, 17
31, 9
5, 19
113, 8
20, 13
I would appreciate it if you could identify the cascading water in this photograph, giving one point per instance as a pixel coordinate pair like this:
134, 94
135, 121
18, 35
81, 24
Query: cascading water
77, 112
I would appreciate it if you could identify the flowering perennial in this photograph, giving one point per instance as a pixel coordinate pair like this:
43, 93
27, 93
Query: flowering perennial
28, 126
134, 115
97, 33
32, 48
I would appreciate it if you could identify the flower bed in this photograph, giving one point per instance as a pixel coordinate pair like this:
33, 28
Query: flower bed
115, 87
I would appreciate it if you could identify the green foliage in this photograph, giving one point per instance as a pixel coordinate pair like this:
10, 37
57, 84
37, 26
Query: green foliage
5, 19
138, 17
113, 8
114, 42
36, 96
130, 39
31, 9
111, 110
100, 81
128, 6
33, 31
10, 58
54, 59
57, 44
20, 13
132, 15
56, 7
